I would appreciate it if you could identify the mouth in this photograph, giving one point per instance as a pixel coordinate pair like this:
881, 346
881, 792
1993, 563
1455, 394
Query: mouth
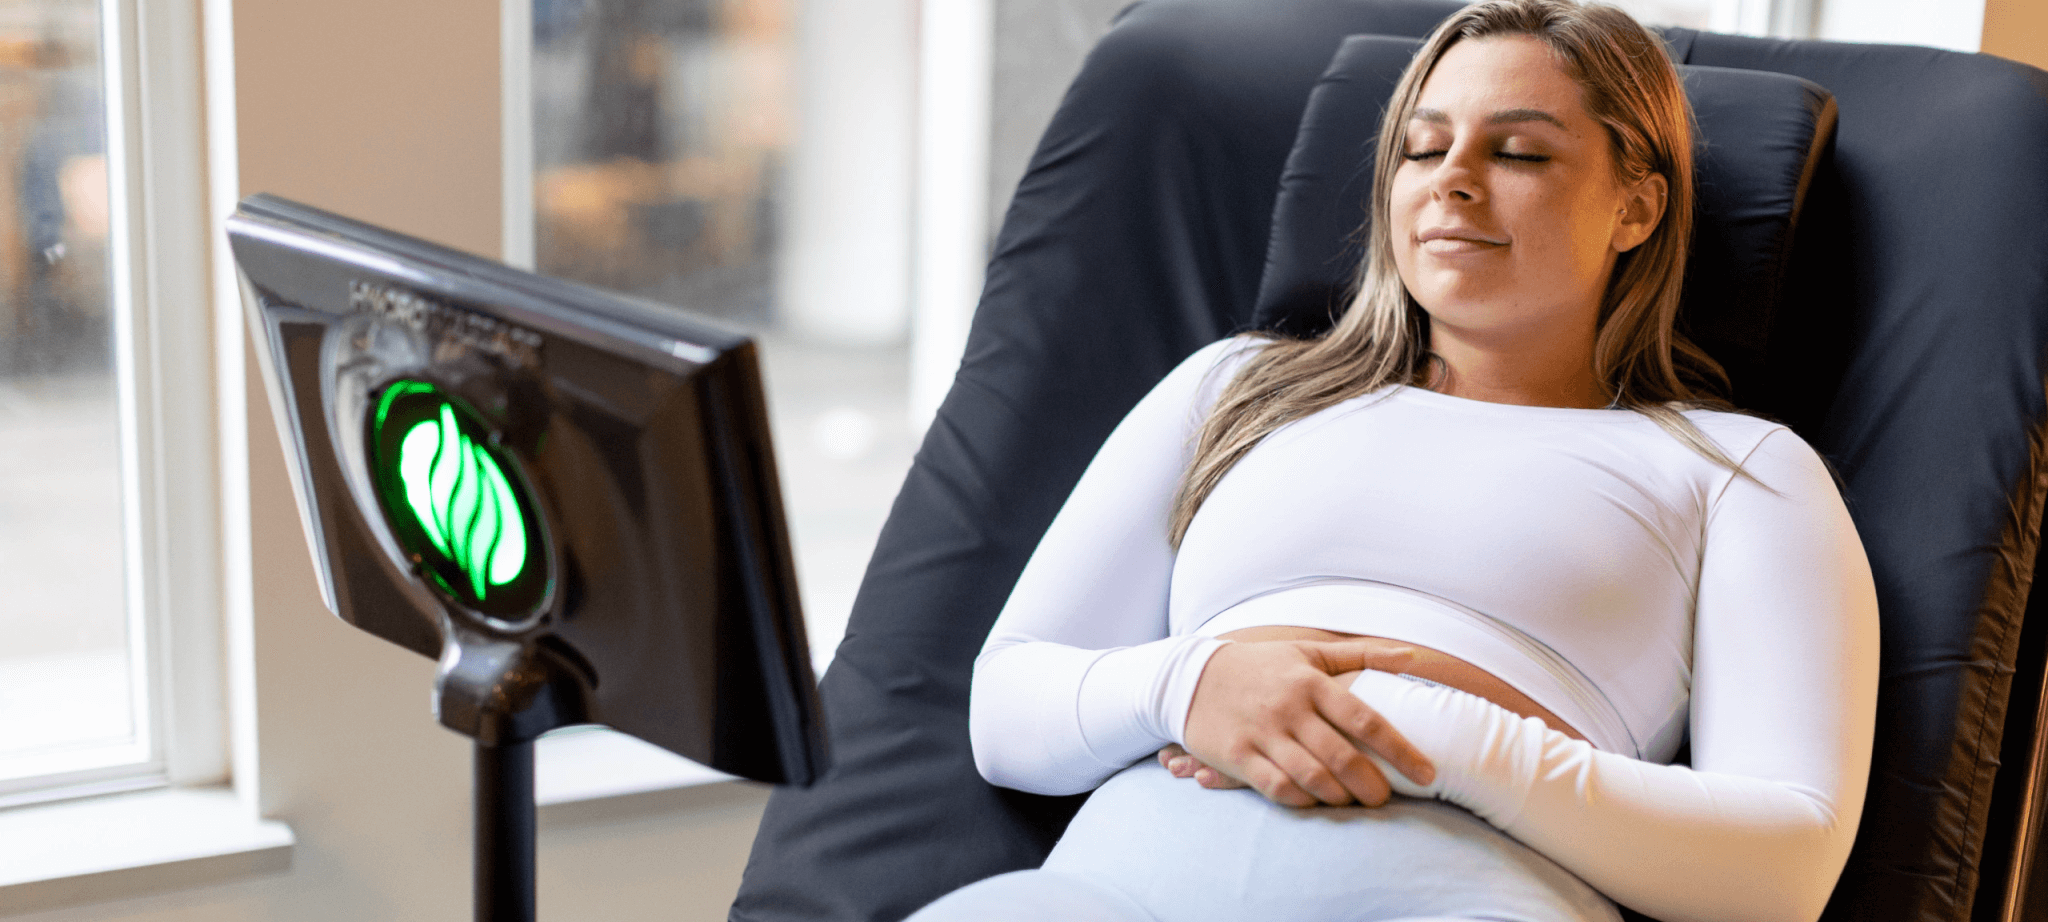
1452, 236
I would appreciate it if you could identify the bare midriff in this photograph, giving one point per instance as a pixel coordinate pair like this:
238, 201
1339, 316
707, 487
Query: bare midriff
1422, 662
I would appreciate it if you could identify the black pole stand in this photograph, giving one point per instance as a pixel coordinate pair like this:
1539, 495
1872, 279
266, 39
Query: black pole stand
504, 832
503, 693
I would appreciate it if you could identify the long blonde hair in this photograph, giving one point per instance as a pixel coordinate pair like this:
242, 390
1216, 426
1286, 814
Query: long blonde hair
1632, 88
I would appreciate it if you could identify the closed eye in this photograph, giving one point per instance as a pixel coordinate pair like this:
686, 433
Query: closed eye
1420, 156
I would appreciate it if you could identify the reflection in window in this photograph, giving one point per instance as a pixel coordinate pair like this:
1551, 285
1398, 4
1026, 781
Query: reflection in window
664, 137
67, 673
661, 129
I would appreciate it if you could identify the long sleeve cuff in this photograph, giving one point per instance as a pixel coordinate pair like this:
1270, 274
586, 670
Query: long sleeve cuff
1665, 840
1135, 699
1053, 719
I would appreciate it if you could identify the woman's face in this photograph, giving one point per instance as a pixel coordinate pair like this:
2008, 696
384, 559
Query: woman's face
1507, 216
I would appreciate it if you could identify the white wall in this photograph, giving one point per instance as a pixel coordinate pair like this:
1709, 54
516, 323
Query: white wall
955, 41
845, 269
1957, 25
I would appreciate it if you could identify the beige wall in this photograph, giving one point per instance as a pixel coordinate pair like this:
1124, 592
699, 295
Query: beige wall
385, 110
388, 111
2017, 29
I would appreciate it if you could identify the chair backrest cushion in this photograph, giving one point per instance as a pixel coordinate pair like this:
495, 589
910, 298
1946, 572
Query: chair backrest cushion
1912, 344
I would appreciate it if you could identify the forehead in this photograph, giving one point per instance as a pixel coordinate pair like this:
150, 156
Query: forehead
1478, 77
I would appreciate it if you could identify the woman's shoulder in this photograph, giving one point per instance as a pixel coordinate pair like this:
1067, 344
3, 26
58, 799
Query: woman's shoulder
1736, 431
1772, 453
1208, 370
1230, 352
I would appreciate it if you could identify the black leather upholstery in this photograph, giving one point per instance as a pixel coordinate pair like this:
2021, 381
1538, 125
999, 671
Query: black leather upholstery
1908, 347
1759, 138
1924, 302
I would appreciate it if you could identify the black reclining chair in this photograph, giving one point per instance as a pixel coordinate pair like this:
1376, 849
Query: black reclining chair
1901, 330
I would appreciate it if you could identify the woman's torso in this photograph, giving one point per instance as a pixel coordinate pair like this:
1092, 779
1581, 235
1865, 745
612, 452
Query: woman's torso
1551, 551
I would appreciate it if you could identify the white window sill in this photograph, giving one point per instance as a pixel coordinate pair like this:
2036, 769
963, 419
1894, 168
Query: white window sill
591, 774
125, 845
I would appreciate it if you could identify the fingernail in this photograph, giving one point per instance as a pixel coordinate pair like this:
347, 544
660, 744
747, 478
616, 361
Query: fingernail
1177, 765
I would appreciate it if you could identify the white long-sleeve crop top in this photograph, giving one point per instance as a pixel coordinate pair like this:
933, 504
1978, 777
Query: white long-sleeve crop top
1586, 557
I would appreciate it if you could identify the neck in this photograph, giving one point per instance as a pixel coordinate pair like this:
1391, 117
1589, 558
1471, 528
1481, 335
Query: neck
1536, 375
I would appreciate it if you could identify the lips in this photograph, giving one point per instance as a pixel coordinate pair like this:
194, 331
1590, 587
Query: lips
1459, 234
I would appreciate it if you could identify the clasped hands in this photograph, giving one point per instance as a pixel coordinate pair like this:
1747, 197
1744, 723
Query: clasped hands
1278, 716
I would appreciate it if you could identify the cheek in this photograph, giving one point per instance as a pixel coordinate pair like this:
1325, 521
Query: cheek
1579, 230
1403, 202
1400, 231
1593, 216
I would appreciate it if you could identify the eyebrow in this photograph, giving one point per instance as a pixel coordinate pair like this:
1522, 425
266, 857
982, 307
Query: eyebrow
1503, 117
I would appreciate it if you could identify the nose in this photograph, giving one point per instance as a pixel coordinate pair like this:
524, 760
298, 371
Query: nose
1457, 178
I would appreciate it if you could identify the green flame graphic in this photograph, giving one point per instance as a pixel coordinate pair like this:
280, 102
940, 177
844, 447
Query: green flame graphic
463, 501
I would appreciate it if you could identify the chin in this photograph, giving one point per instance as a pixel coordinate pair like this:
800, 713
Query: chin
1464, 302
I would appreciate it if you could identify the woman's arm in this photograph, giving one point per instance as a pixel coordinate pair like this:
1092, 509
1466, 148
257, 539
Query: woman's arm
1079, 676
1784, 694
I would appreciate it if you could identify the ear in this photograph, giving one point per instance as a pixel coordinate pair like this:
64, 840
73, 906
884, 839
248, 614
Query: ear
1642, 206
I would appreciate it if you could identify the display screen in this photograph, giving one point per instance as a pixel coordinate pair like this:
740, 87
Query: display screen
566, 497
458, 505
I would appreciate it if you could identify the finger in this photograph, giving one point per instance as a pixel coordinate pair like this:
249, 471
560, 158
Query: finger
1169, 757
1357, 720
1273, 782
1307, 772
1350, 766
1335, 656
1217, 781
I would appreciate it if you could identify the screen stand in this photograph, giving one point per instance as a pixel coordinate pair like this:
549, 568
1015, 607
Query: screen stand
504, 692
504, 832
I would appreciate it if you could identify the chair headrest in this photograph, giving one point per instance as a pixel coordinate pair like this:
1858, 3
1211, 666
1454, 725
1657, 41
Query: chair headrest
1759, 138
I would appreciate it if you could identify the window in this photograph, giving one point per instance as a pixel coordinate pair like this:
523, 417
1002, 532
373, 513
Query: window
73, 699
1781, 18
753, 167
103, 443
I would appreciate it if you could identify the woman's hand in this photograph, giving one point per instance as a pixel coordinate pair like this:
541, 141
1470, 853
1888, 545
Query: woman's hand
1181, 765
1274, 715
1178, 763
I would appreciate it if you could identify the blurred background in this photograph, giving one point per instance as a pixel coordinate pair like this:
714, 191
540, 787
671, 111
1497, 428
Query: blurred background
665, 154
67, 699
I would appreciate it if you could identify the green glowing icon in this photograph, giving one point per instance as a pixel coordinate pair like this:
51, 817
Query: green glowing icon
463, 501
452, 501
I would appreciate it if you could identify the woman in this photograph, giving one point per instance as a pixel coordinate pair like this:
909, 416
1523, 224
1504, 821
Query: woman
1485, 545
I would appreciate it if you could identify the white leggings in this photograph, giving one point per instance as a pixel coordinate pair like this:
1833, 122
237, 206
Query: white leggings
1149, 847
